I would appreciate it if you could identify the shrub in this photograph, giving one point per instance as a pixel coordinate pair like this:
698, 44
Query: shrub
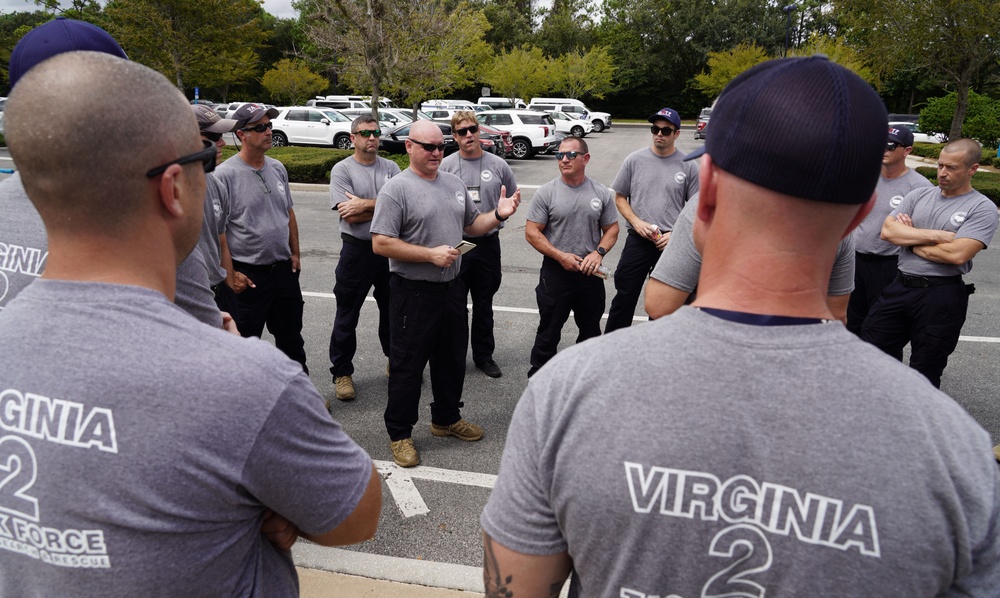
933, 150
987, 183
312, 164
982, 117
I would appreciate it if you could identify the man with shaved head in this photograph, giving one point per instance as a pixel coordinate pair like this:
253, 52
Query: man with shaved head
420, 218
131, 480
939, 230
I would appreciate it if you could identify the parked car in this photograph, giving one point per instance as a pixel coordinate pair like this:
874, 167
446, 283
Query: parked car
506, 144
699, 132
600, 120
305, 125
531, 132
571, 126
386, 118
920, 136
394, 141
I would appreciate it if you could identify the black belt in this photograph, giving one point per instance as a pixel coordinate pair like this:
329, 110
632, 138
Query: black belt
356, 241
477, 239
873, 257
259, 268
922, 282
424, 285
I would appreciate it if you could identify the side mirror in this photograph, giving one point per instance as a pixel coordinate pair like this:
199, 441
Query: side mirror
325, 121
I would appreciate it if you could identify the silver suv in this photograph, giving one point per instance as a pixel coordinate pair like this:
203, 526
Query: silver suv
531, 132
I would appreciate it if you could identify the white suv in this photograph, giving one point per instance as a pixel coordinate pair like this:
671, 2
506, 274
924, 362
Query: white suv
571, 124
531, 132
304, 125
600, 120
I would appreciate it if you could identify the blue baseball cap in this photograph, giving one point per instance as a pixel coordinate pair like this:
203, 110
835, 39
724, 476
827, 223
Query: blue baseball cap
901, 134
805, 127
55, 37
669, 115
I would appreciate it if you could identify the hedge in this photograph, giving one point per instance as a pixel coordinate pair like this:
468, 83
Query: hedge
313, 164
933, 150
987, 183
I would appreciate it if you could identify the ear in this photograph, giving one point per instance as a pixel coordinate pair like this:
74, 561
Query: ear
171, 190
708, 187
863, 211
974, 168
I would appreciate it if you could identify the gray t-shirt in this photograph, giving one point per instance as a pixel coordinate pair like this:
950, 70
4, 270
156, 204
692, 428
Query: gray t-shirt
969, 216
573, 216
257, 231
150, 447
737, 460
425, 213
216, 216
657, 187
361, 180
24, 246
680, 263
889, 194
483, 177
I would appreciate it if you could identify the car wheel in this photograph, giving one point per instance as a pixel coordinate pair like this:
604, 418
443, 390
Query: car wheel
278, 139
598, 126
522, 149
576, 131
342, 142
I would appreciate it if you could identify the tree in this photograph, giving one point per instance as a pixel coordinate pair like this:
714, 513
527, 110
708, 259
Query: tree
982, 120
577, 74
291, 82
837, 50
723, 67
510, 23
13, 26
950, 38
566, 27
192, 42
520, 73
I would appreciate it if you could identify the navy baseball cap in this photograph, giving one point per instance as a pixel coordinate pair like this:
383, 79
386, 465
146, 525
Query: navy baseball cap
901, 134
805, 127
55, 37
251, 113
668, 115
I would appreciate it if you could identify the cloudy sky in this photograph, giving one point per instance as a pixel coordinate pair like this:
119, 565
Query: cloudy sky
279, 8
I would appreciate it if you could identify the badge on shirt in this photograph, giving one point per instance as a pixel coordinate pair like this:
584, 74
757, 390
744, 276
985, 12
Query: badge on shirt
460, 197
486, 175
474, 193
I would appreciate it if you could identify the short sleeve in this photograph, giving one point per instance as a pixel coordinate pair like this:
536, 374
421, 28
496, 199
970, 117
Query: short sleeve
680, 263
609, 215
842, 276
539, 210
519, 514
388, 216
623, 180
980, 223
303, 465
340, 184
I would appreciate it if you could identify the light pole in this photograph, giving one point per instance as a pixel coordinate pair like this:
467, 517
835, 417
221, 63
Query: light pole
788, 25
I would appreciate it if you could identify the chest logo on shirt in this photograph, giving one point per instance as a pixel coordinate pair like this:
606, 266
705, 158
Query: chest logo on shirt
680, 178
596, 205
486, 175
217, 207
895, 200
958, 218
460, 197
281, 188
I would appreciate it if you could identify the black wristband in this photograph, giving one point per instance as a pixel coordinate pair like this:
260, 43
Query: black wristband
496, 214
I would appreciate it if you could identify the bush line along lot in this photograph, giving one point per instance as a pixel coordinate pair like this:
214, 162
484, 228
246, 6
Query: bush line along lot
313, 164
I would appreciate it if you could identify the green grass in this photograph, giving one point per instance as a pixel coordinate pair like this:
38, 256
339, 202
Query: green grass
312, 164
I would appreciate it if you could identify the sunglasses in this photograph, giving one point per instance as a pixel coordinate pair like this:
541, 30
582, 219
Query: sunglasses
258, 128
891, 146
205, 156
429, 147
665, 130
570, 155
211, 136
369, 132
466, 130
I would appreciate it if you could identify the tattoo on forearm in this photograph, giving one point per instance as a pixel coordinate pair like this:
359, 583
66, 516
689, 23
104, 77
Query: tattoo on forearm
493, 580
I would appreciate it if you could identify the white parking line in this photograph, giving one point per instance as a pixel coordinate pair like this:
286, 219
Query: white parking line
399, 480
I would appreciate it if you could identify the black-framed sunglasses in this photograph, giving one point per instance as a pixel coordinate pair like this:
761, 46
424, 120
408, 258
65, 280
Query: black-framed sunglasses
668, 131
890, 146
258, 128
205, 156
429, 147
369, 132
214, 137
466, 130
571, 155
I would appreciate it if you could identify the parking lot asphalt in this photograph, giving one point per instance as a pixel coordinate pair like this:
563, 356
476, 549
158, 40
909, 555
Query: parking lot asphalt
441, 547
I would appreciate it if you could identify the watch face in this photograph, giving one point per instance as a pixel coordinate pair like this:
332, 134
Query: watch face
601, 251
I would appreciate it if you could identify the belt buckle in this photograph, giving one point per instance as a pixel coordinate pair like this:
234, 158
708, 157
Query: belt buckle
917, 282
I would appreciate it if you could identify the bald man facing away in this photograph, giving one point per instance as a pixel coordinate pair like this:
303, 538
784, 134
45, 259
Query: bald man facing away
133, 481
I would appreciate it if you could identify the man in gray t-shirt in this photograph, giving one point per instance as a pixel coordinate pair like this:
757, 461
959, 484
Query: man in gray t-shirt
129, 482
573, 223
263, 237
23, 244
651, 189
675, 277
487, 177
939, 231
420, 218
354, 186
750, 445
875, 261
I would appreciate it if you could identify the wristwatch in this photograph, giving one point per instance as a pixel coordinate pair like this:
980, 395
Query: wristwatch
601, 251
